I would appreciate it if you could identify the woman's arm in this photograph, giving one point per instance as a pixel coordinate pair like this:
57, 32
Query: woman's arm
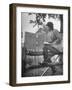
58, 36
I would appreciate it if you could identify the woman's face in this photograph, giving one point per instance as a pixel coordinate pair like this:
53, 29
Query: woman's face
47, 29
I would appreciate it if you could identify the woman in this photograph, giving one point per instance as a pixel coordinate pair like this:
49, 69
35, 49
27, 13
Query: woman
53, 43
53, 37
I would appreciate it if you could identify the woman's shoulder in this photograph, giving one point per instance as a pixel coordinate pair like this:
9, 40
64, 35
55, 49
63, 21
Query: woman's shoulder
55, 31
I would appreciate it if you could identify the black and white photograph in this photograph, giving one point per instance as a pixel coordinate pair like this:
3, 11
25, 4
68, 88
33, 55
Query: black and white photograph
42, 44
40, 53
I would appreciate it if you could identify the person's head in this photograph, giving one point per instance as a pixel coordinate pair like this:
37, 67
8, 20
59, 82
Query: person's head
50, 26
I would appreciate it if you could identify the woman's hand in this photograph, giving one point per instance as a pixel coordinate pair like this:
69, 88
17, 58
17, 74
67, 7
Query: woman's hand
47, 43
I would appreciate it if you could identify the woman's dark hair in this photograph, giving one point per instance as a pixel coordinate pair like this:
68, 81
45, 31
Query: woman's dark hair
50, 25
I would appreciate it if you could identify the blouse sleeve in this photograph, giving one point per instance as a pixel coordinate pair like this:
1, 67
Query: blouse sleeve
58, 35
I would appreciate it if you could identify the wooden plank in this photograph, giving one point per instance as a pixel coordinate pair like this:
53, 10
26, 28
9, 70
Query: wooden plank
34, 53
45, 64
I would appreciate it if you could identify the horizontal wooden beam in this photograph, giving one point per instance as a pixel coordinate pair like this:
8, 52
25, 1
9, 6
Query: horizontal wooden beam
44, 65
38, 53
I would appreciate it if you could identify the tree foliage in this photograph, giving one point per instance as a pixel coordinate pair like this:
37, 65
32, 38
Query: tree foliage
40, 18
